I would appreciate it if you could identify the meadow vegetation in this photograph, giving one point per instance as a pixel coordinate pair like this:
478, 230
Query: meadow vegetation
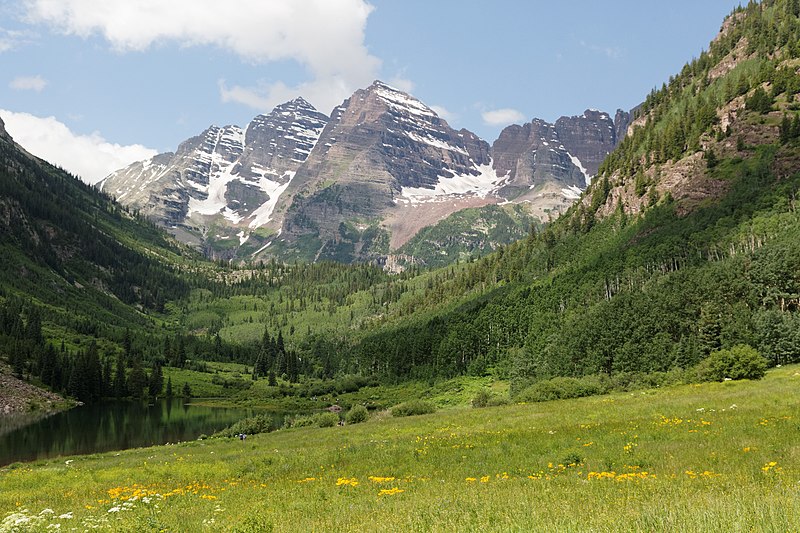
717, 456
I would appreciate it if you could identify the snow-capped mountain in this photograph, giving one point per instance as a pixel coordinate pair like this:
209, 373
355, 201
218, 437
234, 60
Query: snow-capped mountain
298, 185
226, 181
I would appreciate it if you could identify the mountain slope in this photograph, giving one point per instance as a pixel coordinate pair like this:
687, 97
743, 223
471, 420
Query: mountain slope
688, 241
76, 257
384, 167
220, 188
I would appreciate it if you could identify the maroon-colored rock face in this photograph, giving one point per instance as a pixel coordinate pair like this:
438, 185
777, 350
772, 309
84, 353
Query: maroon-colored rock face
567, 153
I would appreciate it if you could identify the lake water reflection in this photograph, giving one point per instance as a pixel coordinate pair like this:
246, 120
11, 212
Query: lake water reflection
115, 426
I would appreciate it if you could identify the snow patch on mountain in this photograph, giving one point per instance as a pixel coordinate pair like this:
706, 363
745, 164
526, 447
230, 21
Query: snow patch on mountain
577, 163
571, 192
274, 189
482, 184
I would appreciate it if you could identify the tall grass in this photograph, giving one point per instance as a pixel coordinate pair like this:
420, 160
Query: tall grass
709, 457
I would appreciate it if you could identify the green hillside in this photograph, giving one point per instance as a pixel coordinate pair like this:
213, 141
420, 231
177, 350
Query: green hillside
469, 234
687, 243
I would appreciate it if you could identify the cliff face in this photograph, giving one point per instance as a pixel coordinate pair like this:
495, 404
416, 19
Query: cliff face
225, 182
381, 148
548, 165
295, 184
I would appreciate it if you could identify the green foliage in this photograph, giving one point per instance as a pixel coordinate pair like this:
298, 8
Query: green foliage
739, 362
327, 420
357, 414
759, 102
323, 420
468, 234
482, 398
413, 408
561, 388
249, 426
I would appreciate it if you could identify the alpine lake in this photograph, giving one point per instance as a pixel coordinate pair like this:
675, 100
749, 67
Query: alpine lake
113, 425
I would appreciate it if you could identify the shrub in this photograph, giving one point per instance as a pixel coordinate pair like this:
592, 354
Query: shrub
563, 387
495, 401
249, 426
327, 420
323, 420
300, 421
413, 407
357, 414
482, 399
485, 398
740, 362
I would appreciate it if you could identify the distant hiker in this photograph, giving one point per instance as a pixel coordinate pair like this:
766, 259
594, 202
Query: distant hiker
242, 436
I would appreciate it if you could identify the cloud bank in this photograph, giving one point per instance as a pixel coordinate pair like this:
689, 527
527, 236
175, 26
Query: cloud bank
28, 83
502, 117
325, 36
89, 157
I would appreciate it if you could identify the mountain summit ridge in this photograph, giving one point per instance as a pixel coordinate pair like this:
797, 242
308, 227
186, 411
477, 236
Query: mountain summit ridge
296, 184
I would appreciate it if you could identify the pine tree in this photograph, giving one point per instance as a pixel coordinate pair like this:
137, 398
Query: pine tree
120, 383
169, 387
711, 158
187, 390
786, 129
137, 380
709, 330
156, 382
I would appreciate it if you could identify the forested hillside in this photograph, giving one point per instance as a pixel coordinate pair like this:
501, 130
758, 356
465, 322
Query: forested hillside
687, 242
78, 272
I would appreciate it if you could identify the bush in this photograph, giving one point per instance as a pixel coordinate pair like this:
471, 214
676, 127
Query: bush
485, 398
248, 426
300, 421
413, 407
357, 414
327, 420
482, 399
495, 401
323, 420
740, 362
562, 388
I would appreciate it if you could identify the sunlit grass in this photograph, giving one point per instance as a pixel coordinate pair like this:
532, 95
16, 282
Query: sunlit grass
711, 457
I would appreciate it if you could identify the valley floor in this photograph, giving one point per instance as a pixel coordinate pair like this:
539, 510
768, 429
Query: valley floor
710, 457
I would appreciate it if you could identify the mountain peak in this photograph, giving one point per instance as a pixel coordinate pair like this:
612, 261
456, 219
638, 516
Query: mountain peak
299, 102
399, 100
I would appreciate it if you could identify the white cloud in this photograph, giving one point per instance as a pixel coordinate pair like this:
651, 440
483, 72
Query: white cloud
402, 84
325, 36
325, 94
10, 39
502, 117
444, 113
28, 83
611, 52
90, 157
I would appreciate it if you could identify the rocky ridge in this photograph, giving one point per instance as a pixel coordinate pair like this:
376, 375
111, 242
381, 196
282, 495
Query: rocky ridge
224, 181
297, 185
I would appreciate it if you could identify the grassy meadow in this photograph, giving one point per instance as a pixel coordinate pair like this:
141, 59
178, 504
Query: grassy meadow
711, 457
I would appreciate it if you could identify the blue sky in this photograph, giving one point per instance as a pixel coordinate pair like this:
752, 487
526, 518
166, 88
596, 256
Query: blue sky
95, 84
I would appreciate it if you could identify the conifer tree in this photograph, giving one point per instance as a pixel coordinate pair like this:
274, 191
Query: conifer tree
120, 383
137, 380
